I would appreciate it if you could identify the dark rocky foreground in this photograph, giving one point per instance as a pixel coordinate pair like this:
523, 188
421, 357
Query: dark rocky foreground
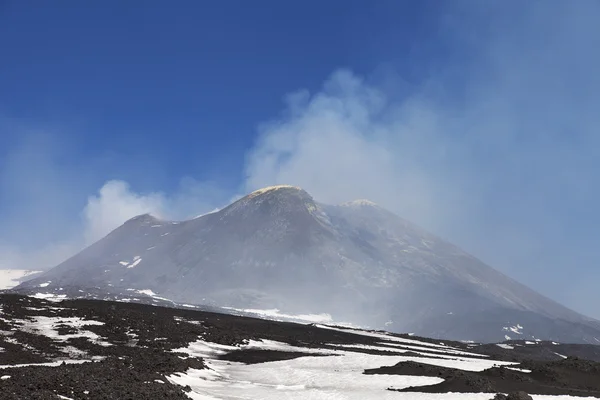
573, 377
111, 350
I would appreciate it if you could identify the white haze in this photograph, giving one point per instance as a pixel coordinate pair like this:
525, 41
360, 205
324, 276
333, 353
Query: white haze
496, 152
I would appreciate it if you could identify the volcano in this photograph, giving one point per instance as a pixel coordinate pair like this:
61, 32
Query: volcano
278, 248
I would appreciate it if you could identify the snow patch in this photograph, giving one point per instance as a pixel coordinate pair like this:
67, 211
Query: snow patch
56, 363
216, 210
50, 296
329, 375
147, 292
136, 261
384, 336
276, 314
150, 293
322, 374
48, 326
515, 329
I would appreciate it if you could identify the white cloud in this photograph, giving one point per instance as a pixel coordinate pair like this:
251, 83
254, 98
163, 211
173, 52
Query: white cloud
57, 234
348, 142
496, 152
114, 204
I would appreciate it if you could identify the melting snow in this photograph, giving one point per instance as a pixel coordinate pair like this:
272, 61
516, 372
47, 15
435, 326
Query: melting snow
48, 326
147, 292
448, 350
202, 215
50, 296
515, 329
327, 374
321, 374
150, 293
274, 313
384, 336
332, 375
505, 346
52, 363
136, 261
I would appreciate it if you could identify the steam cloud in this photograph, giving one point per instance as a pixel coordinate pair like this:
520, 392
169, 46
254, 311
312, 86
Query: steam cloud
496, 152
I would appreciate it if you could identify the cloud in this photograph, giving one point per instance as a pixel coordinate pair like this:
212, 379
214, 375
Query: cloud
114, 204
48, 214
496, 151
348, 142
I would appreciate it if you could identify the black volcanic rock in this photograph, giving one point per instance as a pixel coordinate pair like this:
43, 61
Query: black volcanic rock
278, 248
141, 347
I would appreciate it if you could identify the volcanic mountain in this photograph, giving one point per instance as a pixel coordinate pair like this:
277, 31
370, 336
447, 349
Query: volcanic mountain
279, 248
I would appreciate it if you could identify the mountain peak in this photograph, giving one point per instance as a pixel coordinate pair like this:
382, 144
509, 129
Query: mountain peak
280, 199
143, 218
268, 189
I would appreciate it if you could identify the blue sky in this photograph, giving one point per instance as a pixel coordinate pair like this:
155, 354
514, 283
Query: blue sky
476, 119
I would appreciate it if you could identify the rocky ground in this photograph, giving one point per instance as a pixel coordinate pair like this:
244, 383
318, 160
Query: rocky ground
88, 349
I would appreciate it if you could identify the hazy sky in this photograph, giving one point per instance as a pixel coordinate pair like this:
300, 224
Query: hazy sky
478, 120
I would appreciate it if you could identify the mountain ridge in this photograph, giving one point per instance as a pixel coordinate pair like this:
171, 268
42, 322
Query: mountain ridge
279, 248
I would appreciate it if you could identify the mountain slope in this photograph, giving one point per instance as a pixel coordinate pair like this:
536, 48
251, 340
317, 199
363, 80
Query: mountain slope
278, 248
